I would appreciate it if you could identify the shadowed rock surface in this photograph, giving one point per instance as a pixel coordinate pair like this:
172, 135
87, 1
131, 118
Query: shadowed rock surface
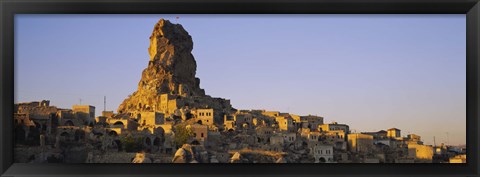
171, 70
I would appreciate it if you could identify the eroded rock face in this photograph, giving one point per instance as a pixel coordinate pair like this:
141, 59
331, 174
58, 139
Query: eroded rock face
171, 61
182, 156
171, 68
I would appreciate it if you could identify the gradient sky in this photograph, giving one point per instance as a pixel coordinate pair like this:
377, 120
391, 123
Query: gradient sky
372, 72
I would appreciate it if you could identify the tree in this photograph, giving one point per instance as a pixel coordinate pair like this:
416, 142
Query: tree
182, 135
132, 144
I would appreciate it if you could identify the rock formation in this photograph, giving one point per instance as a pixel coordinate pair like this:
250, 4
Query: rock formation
236, 158
171, 73
182, 155
140, 158
281, 160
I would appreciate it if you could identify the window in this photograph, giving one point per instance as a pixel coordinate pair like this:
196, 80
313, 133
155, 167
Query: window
201, 135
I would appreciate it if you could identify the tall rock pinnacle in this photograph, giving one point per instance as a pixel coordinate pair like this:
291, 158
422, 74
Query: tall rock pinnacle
171, 60
171, 69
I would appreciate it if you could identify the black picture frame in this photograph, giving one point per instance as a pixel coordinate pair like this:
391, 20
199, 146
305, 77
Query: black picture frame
8, 8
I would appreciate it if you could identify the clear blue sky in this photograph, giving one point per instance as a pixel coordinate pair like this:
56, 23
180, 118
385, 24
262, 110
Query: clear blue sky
372, 72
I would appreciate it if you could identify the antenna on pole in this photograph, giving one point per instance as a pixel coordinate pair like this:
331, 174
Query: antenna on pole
80, 101
434, 142
104, 103
448, 140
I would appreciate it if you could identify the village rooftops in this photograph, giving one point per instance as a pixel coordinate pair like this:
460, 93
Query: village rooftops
393, 129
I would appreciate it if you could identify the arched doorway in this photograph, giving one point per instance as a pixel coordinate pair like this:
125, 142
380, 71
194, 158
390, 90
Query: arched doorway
119, 123
112, 133
68, 123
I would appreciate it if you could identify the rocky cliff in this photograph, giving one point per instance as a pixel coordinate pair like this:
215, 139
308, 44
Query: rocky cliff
171, 70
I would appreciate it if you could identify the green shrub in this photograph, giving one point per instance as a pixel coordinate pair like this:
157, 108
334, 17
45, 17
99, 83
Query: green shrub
182, 135
132, 144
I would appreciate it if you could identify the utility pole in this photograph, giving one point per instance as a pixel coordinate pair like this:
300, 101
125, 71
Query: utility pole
434, 142
80, 101
104, 103
448, 140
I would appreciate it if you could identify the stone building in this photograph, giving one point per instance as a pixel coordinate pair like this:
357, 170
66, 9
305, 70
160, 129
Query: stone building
289, 137
313, 136
169, 103
382, 134
200, 132
277, 140
39, 113
334, 126
271, 113
107, 114
393, 133
119, 122
244, 120
458, 159
237, 120
285, 123
22, 119
101, 120
151, 121
229, 123
414, 137
85, 113
322, 153
336, 138
151, 118
263, 133
66, 117
421, 153
312, 121
361, 143
205, 117
23, 125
